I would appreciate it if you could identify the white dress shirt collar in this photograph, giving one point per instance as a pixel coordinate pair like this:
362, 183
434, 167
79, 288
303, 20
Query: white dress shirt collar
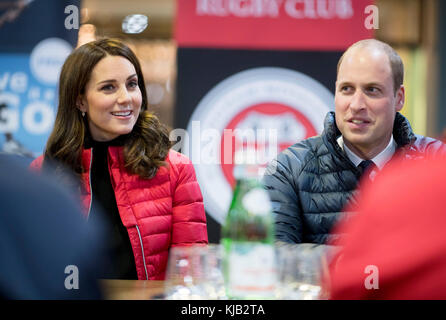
379, 160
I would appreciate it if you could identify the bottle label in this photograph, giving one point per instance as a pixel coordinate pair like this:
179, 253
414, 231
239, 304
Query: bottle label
252, 271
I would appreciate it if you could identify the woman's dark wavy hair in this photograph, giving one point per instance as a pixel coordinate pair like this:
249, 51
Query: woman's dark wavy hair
145, 148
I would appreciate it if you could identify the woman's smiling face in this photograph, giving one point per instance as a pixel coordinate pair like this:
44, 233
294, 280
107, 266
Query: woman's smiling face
112, 99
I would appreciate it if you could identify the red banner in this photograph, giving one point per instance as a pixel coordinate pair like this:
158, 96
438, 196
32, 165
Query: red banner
272, 24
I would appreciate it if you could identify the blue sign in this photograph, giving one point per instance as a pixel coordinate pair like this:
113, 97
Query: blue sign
33, 48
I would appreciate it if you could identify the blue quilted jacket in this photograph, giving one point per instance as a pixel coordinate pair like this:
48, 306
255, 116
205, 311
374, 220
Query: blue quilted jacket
311, 182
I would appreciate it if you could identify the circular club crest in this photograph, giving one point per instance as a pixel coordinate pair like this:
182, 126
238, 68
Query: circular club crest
266, 109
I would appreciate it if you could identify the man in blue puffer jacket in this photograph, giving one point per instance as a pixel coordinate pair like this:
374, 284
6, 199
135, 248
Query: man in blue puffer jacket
310, 182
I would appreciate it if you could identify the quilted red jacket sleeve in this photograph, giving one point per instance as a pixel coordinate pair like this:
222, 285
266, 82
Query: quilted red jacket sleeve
188, 215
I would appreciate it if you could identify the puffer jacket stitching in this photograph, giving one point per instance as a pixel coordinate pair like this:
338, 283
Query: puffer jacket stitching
131, 206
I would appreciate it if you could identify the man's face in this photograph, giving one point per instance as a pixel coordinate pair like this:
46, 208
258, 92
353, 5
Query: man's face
365, 101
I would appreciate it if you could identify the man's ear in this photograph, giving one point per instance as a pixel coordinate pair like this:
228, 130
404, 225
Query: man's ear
80, 104
400, 98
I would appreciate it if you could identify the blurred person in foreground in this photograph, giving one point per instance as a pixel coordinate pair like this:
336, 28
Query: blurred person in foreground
310, 182
394, 248
121, 155
47, 251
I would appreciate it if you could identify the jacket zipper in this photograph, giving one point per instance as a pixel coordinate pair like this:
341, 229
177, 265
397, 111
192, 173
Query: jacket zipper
89, 209
89, 181
142, 249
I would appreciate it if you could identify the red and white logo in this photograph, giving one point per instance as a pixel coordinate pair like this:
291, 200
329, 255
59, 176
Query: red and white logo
266, 109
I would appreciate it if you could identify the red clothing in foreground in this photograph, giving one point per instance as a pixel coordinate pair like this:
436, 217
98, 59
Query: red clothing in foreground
400, 229
158, 213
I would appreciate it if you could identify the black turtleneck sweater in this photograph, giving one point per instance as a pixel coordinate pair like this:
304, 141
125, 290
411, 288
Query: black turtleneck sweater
104, 207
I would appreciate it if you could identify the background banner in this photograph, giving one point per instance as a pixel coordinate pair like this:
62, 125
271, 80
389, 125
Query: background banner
255, 75
34, 43
271, 24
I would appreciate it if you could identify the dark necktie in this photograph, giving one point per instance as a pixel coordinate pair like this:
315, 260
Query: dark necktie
366, 167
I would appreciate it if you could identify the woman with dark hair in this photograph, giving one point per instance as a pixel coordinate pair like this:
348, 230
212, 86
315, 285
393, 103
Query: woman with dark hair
120, 153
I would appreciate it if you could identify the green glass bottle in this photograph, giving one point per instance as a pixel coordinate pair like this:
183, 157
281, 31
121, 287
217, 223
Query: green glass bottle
248, 235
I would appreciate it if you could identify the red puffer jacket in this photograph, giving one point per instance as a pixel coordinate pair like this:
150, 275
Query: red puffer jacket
158, 213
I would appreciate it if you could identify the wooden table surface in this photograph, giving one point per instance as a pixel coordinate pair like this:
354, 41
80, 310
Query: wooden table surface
132, 289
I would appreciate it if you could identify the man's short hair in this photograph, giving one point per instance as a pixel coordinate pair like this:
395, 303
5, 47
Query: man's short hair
396, 64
